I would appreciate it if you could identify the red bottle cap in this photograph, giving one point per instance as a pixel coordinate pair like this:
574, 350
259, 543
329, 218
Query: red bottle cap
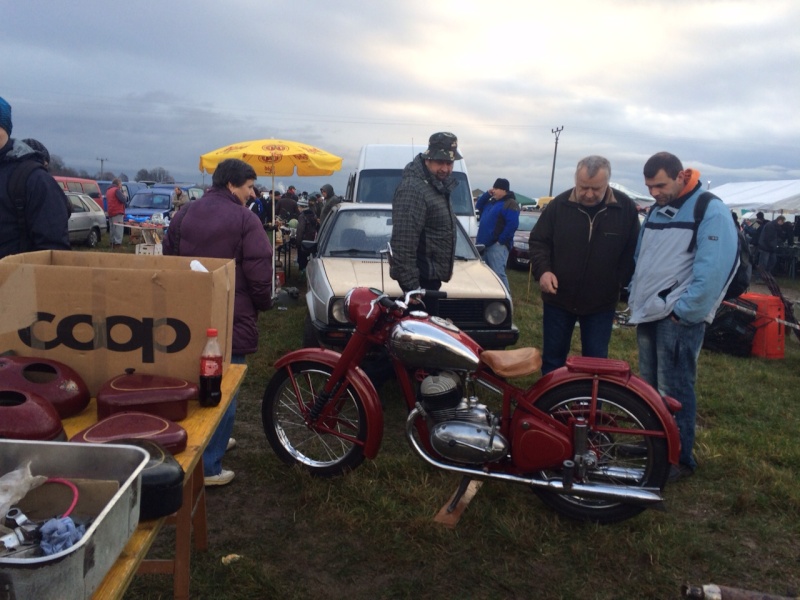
211, 332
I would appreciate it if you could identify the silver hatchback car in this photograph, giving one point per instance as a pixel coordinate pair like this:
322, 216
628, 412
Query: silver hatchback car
347, 254
87, 221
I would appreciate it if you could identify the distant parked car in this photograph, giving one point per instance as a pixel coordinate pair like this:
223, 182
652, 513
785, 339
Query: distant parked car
147, 202
87, 221
520, 257
346, 254
82, 186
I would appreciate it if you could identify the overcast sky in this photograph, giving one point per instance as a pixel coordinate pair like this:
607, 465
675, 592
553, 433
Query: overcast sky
157, 84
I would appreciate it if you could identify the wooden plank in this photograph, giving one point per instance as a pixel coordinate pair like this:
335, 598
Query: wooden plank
450, 519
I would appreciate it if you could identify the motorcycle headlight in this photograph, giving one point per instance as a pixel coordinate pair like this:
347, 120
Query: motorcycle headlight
338, 312
495, 313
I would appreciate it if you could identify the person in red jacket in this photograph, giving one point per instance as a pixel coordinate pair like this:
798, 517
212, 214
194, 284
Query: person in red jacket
115, 199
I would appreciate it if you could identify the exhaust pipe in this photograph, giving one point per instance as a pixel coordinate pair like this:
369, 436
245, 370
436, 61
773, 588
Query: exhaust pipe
625, 495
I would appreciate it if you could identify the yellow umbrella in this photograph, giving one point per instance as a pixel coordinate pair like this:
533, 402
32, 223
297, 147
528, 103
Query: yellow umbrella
276, 157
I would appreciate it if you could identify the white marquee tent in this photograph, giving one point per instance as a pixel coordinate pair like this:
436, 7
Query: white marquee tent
766, 196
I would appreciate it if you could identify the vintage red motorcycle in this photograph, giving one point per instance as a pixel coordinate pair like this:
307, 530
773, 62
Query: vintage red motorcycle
594, 441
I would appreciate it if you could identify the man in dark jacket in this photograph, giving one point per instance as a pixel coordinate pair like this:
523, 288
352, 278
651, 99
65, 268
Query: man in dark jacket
499, 213
219, 225
582, 251
768, 244
330, 200
424, 225
39, 218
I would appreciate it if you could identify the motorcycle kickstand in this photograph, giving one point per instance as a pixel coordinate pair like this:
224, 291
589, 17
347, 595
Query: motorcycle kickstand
462, 489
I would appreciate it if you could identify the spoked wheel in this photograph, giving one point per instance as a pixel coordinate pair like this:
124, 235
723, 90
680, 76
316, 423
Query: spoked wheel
330, 446
620, 447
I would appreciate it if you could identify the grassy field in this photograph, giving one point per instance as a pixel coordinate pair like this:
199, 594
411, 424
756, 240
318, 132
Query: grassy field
371, 534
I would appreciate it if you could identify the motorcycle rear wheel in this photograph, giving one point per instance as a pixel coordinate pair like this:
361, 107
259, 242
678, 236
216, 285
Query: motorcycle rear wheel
334, 444
633, 459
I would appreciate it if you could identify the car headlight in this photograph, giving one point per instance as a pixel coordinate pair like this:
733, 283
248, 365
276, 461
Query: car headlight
521, 245
338, 312
495, 313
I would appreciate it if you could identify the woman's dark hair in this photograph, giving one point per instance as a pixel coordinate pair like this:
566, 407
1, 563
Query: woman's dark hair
663, 160
233, 171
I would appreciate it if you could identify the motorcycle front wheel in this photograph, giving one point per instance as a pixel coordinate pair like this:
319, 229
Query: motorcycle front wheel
623, 453
331, 445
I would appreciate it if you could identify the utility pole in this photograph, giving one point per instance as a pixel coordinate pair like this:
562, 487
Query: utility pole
557, 131
102, 160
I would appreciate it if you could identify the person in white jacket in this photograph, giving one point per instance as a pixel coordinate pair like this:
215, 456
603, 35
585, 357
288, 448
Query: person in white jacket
677, 287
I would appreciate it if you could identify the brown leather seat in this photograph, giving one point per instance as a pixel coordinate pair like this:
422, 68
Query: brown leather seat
513, 363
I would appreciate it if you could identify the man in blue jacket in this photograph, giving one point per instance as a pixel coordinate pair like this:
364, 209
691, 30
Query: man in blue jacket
677, 287
499, 214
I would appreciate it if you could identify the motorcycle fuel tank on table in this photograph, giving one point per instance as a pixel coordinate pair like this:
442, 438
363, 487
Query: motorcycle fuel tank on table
421, 344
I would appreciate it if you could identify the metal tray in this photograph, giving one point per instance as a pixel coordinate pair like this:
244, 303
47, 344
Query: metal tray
77, 571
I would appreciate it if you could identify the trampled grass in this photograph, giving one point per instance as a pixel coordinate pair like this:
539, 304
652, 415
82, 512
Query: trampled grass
371, 534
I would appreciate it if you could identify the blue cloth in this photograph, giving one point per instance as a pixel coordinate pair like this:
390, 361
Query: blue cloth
668, 353
60, 534
212, 456
496, 256
557, 328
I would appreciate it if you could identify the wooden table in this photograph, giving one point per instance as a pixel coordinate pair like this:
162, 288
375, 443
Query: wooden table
200, 424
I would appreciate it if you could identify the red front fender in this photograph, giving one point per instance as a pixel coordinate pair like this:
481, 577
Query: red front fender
617, 372
373, 412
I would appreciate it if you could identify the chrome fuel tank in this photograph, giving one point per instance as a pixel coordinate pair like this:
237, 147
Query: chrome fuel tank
421, 344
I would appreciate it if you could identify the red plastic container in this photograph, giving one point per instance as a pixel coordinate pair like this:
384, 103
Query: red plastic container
769, 339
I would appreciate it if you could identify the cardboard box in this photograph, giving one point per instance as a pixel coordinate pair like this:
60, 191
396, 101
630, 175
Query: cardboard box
102, 313
148, 249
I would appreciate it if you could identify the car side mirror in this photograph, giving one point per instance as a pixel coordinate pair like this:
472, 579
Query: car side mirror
310, 246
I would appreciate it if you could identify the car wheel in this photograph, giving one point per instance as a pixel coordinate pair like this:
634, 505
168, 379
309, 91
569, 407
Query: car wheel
93, 238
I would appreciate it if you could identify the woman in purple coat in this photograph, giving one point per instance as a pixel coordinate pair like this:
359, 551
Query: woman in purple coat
219, 225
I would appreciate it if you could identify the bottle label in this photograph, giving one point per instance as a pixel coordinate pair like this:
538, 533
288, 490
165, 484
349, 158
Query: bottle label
210, 366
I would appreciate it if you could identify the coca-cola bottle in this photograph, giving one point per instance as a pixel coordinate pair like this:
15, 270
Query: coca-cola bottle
211, 371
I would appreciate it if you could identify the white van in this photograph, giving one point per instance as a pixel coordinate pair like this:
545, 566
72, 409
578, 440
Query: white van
380, 169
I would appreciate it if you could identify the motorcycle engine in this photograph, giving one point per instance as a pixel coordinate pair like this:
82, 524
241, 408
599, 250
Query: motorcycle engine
463, 430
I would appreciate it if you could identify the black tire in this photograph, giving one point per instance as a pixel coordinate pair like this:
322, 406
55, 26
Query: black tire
93, 238
310, 335
334, 444
641, 459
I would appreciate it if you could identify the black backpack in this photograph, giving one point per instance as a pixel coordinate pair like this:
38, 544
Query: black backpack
744, 270
17, 191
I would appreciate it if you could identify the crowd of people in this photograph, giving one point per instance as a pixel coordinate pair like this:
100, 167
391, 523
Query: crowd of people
586, 248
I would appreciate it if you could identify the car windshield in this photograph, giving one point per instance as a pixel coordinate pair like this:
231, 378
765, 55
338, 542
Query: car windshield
150, 201
527, 221
365, 232
378, 185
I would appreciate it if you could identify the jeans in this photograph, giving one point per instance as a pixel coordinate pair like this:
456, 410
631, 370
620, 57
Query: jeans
668, 353
767, 260
558, 326
212, 456
496, 256
117, 229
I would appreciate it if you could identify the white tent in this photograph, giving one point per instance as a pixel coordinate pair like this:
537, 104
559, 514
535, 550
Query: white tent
641, 200
766, 196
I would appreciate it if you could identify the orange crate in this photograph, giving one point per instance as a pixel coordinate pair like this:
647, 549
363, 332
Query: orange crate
769, 339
